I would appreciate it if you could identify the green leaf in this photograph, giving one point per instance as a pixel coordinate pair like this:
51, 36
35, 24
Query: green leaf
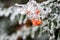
49, 24
55, 23
24, 17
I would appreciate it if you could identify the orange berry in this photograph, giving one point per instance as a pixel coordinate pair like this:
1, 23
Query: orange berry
28, 12
37, 11
36, 22
39, 22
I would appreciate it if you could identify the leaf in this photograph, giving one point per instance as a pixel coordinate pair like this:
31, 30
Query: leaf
24, 17
49, 24
55, 23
